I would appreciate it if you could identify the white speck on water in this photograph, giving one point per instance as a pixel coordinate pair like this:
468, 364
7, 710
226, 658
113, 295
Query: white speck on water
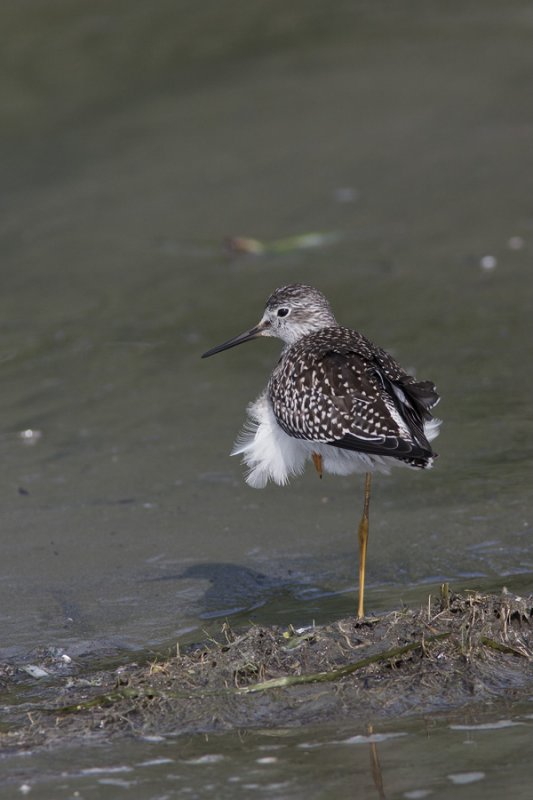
359, 739
346, 194
116, 782
155, 762
267, 760
101, 770
372, 737
488, 262
417, 794
487, 726
209, 758
462, 778
35, 672
305, 628
271, 747
515, 243
24, 788
30, 436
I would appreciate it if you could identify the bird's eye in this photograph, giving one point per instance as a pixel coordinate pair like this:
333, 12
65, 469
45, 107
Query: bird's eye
282, 312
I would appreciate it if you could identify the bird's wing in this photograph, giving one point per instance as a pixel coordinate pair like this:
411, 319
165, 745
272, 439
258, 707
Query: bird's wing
344, 397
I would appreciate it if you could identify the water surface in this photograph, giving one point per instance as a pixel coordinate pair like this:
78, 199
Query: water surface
135, 141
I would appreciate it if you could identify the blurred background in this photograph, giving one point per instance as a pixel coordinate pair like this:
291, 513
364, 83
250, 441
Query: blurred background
165, 166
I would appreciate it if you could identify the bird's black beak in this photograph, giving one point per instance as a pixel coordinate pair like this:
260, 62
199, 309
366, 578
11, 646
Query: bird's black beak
247, 336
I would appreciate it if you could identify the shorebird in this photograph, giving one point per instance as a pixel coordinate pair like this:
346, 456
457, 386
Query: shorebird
334, 398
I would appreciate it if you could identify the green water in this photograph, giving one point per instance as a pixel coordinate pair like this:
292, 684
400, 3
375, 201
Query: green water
135, 139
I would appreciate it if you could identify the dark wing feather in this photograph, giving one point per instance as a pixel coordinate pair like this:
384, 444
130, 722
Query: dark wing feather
335, 387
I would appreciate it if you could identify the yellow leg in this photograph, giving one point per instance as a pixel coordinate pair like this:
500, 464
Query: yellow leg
317, 461
363, 541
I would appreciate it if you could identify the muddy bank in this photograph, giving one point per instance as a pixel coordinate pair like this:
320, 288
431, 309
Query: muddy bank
459, 649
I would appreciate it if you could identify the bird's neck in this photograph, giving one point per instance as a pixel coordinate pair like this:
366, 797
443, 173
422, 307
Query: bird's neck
299, 330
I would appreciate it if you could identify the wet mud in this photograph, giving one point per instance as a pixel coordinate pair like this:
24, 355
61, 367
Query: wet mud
457, 650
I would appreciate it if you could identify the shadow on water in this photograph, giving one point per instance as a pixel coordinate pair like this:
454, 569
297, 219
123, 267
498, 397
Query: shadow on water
243, 595
233, 589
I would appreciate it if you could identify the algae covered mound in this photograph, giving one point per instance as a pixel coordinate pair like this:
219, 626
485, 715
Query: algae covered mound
458, 649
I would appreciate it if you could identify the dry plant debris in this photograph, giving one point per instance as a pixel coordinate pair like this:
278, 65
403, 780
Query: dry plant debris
459, 649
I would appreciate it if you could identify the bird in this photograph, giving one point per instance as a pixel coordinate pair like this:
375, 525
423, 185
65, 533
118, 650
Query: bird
333, 398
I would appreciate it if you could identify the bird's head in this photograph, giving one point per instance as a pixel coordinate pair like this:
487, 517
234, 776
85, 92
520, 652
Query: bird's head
290, 313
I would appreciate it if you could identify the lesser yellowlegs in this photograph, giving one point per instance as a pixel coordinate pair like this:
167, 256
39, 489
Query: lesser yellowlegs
334, 398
